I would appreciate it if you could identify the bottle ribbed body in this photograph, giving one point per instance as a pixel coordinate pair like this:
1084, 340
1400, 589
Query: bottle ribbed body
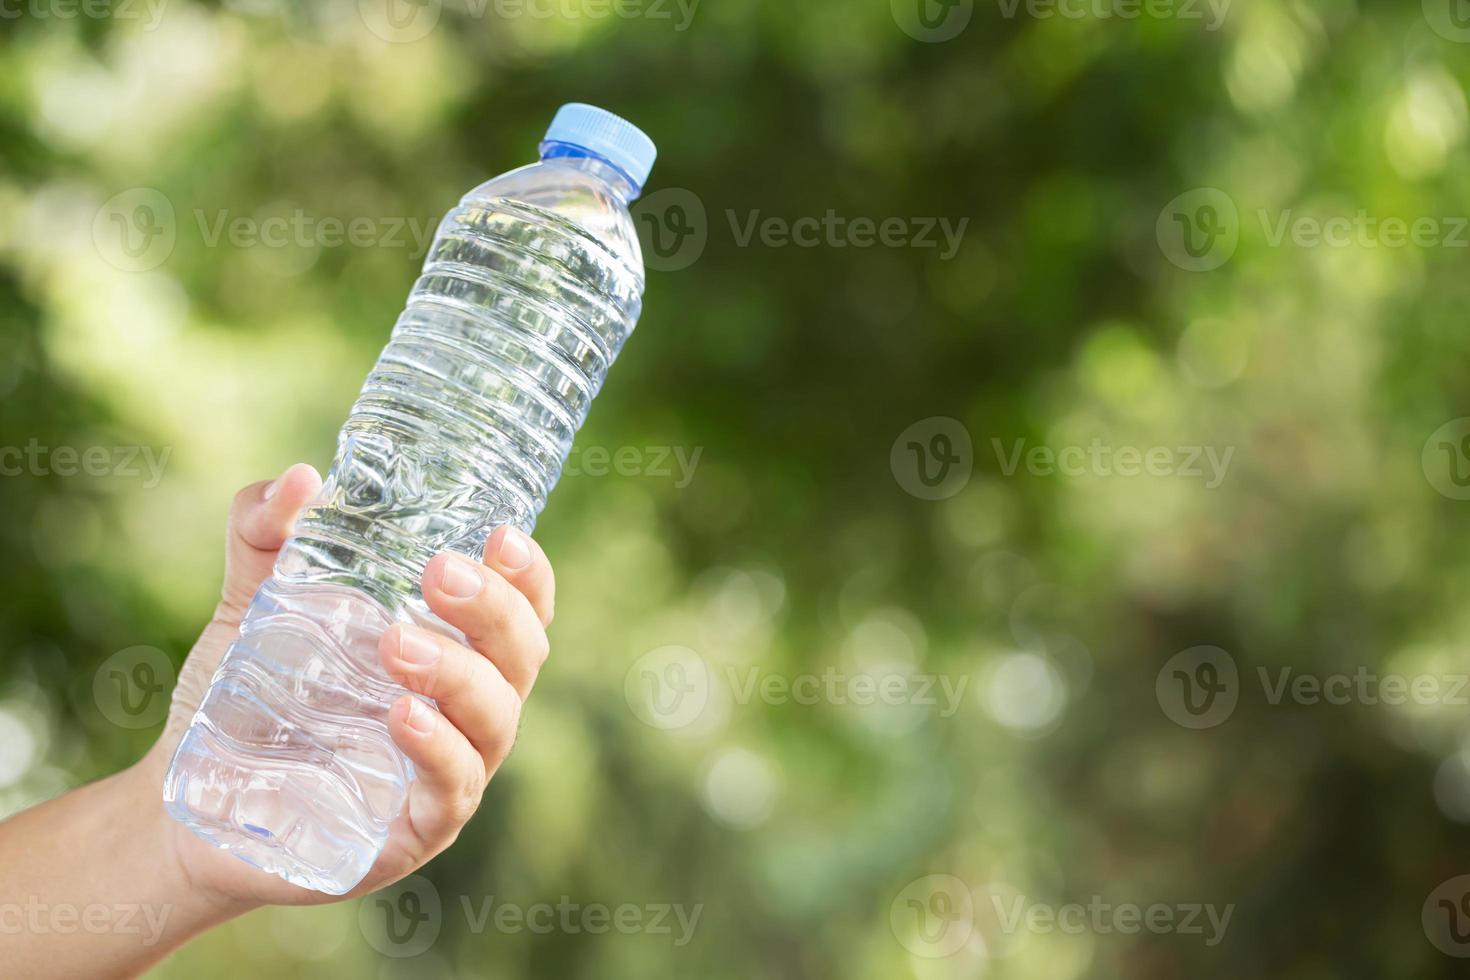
463, 425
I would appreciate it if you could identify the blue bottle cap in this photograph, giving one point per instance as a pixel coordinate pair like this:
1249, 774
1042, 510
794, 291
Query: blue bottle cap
603, 134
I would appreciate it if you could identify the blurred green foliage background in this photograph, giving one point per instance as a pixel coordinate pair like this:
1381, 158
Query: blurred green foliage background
1070, 311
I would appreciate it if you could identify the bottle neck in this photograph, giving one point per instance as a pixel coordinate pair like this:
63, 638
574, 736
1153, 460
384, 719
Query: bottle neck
571, 155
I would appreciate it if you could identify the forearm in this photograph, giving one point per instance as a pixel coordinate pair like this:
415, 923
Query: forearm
90, 885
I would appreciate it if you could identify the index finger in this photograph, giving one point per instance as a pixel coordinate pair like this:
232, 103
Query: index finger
521, 562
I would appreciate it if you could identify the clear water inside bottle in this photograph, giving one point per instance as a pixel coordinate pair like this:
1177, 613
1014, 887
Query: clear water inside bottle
530, 289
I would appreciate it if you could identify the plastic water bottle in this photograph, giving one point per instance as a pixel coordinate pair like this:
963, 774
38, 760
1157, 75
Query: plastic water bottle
528, 292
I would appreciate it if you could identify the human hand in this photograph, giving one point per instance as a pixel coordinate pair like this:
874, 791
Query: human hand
501, 605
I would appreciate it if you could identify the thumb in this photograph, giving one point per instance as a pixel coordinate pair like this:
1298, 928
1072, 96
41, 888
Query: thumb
260, 521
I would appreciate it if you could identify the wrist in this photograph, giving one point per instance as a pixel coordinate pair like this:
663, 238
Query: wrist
108, 855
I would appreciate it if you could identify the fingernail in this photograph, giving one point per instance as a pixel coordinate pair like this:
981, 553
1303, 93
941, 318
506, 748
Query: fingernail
420, 718
515, 550
416, 648
461, 579
270, 491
